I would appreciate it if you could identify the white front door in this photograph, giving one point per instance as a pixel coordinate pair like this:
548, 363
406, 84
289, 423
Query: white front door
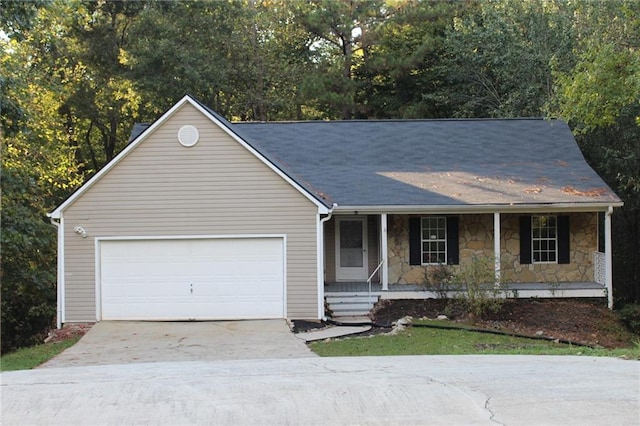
351, 249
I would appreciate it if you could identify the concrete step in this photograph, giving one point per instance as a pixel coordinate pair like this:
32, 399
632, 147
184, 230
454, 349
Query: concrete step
341, 314
351, 304
332, 294
363, 299
358, 319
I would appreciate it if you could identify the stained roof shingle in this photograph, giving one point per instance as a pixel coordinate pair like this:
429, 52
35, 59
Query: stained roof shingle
431, 162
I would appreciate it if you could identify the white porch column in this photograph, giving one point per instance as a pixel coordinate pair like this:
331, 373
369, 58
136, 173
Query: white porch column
496, 245
608, 279
383, 250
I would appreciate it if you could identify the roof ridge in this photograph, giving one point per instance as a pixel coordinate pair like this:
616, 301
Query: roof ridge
397, 120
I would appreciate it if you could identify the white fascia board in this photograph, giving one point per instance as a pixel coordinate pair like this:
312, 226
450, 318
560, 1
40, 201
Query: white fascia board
322, 209
187, 237
475, 209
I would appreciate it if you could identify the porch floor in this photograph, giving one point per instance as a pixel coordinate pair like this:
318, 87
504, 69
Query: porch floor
518, 290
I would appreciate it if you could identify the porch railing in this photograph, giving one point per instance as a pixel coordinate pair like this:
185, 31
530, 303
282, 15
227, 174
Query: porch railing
371, 277
599, 267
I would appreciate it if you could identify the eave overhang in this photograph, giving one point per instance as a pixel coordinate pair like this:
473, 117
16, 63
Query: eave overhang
479, 209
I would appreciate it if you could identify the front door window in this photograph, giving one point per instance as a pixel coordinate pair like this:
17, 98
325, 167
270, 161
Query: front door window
351, 249
351, 243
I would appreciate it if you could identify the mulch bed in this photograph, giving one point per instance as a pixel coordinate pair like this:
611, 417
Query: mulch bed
68, 331
582, 321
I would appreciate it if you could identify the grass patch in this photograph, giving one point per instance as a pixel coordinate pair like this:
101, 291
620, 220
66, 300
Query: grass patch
456, 341
31, 357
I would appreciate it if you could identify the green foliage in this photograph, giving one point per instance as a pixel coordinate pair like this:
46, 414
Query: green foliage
401, 70
438, 278
630, 316
246, 60
37, 170
497, 60
27, 264
614, 151
31, 357
605, 78
478, 292
344, 32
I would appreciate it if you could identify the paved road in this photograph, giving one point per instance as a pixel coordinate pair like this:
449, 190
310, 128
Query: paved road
431, 390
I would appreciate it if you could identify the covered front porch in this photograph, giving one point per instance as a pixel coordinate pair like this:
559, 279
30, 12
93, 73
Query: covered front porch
368, 257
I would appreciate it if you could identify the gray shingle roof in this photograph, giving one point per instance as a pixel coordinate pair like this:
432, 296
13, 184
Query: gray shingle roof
432, 162
429, 162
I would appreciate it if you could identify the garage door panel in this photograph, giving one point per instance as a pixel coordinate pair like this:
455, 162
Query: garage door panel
192, 279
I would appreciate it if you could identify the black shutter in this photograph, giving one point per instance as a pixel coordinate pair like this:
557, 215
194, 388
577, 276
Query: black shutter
415, 241
453, 252
563, 239
525, 240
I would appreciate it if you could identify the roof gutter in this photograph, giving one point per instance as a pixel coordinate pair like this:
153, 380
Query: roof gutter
472, 208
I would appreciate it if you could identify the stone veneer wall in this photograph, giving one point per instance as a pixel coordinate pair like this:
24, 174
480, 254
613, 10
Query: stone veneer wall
583, 241
476, 240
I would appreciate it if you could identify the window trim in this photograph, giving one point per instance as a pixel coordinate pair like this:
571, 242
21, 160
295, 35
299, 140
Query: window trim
445, 240
555, 239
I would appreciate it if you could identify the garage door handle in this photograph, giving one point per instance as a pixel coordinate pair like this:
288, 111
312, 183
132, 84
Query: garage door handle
191, 288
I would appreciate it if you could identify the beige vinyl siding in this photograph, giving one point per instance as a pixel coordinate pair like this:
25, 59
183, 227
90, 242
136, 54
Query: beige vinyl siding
215, 188
330, 251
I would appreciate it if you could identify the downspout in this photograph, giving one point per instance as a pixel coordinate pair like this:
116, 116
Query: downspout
608, 252
321, 250
59, 224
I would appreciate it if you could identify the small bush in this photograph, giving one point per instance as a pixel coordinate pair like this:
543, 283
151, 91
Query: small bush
630, 316
438, 279
479, 294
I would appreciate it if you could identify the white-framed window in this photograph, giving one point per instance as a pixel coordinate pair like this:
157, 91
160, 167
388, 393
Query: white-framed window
544, 239
434, 240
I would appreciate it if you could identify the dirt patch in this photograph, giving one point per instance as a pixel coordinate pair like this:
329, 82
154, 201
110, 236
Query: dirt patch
301, 326
68, 331
581, 321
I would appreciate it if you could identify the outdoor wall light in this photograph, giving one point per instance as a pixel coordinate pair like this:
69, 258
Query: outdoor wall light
80, 231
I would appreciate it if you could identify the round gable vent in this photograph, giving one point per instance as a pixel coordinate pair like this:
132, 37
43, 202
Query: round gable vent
188, 135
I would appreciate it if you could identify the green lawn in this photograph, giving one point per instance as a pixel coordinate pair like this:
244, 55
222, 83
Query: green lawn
28, 358
431, 341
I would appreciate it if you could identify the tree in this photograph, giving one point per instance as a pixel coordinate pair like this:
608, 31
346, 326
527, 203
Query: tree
401, 72
245, 59
499, 57
103, 105
343, 32
36, 172
600, 97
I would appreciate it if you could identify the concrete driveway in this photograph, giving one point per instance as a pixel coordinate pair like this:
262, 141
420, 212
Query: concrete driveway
124, 342
409, 390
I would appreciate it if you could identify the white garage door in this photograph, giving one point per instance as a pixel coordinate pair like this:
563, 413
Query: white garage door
225, 278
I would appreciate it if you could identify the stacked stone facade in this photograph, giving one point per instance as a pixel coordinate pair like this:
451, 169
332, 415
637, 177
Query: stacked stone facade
476, 241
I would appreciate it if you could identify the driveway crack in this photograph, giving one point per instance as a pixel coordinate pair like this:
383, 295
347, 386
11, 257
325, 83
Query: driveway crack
487, 407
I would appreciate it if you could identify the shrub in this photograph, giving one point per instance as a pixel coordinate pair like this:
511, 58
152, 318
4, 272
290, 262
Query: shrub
437, 279
27, 265
630, 316
478, 292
